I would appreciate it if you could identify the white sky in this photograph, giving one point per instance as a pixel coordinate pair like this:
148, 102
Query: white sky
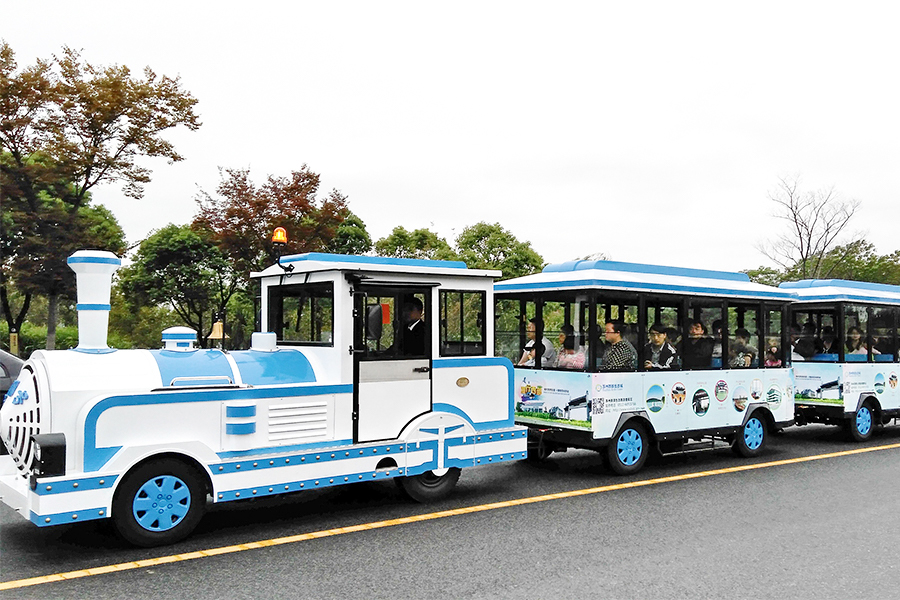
651, 131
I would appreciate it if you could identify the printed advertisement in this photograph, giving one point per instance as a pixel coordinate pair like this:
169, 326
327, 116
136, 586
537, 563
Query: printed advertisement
817, 383
554, 396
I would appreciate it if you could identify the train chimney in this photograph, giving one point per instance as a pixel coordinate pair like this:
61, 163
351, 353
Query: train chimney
93, 273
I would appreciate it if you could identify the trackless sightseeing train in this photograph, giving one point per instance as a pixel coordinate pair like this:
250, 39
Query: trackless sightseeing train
371, 368
366, 369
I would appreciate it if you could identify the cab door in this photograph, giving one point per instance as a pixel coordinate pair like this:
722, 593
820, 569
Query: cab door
392, 360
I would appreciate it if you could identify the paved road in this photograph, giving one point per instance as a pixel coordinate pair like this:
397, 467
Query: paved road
820, 528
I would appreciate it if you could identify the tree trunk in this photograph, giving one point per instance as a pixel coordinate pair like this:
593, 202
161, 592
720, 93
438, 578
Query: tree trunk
52, 316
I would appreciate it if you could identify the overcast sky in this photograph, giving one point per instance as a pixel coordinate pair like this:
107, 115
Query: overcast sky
649, 131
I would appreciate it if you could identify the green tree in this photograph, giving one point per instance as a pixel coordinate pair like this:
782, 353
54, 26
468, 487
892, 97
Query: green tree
182, 267
242, 216
419, 243
65, 127
490, 246
351, 236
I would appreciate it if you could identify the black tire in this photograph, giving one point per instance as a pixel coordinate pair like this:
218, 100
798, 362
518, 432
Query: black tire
751, 439
538, 452
627, 451
429, 487
862, 424
143, 520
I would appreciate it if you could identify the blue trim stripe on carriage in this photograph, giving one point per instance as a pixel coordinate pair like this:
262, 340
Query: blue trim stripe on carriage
95, 458
610, 265
240, 428
203, 363
93, 307
840, 283
285, 365
93, 350
483, 361
97, 260
373, 260
642, 286
69, 486
87, 514
240, 412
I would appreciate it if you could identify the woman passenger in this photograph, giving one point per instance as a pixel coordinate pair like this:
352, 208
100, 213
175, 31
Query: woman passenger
568, 357
855, 343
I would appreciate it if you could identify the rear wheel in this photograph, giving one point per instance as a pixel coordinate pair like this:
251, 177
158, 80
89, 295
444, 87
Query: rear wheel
862, 424
429, 487
627, 452
159, 503
751, 439
539, 452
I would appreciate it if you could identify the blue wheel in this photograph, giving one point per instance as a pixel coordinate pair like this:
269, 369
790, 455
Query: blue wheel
159, 502
627, 452
862, 425
751, 438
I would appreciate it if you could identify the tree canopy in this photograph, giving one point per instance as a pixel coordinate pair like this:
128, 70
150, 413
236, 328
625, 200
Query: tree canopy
419, 243
490, 246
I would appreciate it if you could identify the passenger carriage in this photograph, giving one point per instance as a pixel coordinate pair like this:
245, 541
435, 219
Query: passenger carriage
730, 396
844, 350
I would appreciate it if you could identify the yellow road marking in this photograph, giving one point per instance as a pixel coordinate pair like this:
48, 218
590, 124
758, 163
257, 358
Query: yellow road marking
303, 537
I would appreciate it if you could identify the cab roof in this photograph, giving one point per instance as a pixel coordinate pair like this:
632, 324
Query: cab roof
320, 261
637, 277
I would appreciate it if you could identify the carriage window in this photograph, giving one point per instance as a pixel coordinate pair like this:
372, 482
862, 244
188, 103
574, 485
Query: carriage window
302, 314
743, 337
702, 348
508, 329
774, 351
883, 331
856, 341
616, 356
462, 323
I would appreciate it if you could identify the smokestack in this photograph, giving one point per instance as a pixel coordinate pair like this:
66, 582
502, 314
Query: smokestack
93, 273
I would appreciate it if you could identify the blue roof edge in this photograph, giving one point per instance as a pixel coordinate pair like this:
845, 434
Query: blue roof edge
845, 283
374, 260
609, 265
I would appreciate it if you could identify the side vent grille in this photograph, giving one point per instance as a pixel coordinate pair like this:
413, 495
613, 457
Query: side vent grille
21, 419
300, 421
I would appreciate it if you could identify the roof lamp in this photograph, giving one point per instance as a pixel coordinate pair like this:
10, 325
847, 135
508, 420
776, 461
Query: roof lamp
279, 236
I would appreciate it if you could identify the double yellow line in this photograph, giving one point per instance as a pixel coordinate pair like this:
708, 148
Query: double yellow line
292, 539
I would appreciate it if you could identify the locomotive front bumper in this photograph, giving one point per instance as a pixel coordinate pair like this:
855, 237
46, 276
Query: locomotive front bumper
55, 500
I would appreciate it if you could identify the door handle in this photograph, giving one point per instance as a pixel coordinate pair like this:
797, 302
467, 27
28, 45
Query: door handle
421, 369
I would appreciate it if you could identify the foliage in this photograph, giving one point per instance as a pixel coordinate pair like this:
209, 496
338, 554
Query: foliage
766, 275
490, 246
134, 325
185, 268
65, 127
816, 220
351, 236
419, 243
241, 218
33, 337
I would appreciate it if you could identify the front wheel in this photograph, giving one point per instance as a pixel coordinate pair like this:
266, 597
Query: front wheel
159, 503
628, 451
751, 439
862, 424
429, 487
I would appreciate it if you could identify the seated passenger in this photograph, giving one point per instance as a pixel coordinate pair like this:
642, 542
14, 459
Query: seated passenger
772, 359
741, 354
659, 353
620, 355
548, 358
829, 342
568, 356
855, 344
697, 353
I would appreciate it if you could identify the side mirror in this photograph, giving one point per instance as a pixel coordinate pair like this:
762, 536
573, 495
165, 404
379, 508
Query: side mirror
373, 322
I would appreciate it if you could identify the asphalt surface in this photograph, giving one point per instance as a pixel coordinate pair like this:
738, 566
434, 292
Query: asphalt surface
816, 529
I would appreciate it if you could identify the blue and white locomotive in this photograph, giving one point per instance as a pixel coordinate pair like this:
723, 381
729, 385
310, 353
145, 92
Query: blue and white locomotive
369, 368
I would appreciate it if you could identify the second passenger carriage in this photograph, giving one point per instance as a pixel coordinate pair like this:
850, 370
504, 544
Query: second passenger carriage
651, 358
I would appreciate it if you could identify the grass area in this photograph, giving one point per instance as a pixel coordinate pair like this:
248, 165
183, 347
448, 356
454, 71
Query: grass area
829, 401
538, 416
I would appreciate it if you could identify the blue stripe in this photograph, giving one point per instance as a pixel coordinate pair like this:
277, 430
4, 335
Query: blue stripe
240, 411
374, 260
240, 428
100, 260
641, 286
329, 453
609, 265
845, 297
88, 514
74, 485
92, 307
292, 448
95, 458
840, 283
179, 336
